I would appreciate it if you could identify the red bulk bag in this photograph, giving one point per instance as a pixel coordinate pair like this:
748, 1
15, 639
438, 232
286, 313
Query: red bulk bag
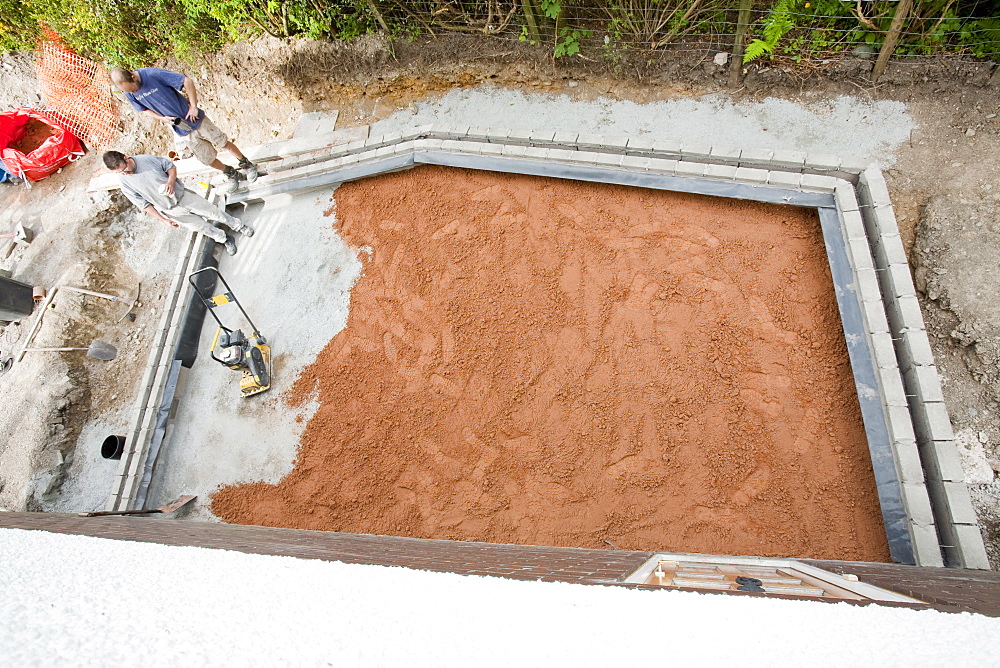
34, 143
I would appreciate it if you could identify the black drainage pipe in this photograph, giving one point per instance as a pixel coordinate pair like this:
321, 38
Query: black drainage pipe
113, 447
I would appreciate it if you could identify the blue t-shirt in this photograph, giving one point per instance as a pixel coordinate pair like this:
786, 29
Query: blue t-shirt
161, 92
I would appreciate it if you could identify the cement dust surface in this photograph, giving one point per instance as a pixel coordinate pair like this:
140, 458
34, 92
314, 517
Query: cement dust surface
562, 363
297, 300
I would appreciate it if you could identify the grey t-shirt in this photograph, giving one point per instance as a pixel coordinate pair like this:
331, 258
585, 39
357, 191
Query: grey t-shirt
141, 187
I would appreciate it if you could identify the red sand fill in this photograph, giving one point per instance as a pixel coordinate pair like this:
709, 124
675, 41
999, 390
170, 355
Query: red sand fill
549, 362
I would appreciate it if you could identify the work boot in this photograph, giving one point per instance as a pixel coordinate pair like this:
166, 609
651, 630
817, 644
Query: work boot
233, 180
230, 244
241, 227
249, 169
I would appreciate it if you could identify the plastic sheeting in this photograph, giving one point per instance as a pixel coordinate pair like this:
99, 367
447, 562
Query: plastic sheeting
55, 151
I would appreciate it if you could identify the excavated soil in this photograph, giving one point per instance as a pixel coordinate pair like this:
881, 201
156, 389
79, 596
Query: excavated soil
561, 363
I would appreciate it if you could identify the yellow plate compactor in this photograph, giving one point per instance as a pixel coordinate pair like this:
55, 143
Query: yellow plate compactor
249, 354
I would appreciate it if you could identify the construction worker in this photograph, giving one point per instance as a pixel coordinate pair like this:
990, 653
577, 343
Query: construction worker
150, 182
158, 93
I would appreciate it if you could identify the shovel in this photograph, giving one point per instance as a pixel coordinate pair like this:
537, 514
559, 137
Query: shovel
132, 300
100, 350
177, 504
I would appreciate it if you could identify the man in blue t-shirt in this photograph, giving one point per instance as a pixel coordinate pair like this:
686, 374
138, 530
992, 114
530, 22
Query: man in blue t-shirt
172, 97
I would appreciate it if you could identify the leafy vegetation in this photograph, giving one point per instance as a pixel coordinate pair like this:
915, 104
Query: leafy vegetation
138, 32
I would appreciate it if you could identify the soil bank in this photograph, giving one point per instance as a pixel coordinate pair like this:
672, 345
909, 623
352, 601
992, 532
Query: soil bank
552, 362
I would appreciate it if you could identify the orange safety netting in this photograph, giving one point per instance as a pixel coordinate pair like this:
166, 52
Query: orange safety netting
77, 91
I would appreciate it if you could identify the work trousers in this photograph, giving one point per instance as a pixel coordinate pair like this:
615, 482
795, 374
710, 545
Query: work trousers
194, 212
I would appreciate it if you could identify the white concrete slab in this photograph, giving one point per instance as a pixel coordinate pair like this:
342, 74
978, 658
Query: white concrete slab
299, 301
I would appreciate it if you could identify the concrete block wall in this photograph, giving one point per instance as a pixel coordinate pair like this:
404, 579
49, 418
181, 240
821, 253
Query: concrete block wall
954, 516
917, 423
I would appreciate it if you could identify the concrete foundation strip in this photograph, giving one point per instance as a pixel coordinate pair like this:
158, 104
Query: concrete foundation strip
905, 419
144, 413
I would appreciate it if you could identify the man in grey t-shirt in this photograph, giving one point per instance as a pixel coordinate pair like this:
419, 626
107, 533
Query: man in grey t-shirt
150, 182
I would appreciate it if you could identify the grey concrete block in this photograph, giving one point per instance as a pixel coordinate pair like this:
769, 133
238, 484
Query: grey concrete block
586, 156
722, 172
931, 423
455, 145
898, 282
698, 149
874, 184
374, 141
908, 462
853, 164
667, 146
923, 384
900, 424
585, 140
491, 149
941, 461
853, 225
405, 146
512, 150
885, 220
819, 182
562, 154
860, 254
784, 179
663, 165
635, 162
615, 143
756, 157
356, 146
479, 133
904, 314
416, 132
883, 349
536, 152
926, 550
565, 137
973, 550
610, 159
825, 161
498, 135
640, 144
379, 152
545, 136
913, 348
726, 153
519, 136
874, 315
891, 386
959, 504
888, 250
685, 168
751, 175
918, 505
392, 137
787, 158
867, 283
845, 197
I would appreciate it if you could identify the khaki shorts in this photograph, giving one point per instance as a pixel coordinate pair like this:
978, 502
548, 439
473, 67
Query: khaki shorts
204, 143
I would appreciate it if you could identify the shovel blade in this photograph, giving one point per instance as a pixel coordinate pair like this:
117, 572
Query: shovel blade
102, 350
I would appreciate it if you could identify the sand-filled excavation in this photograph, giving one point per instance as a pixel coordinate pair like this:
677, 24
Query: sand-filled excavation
551, 362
